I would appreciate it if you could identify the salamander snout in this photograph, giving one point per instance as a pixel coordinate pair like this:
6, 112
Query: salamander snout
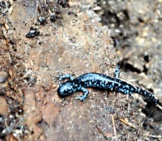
65, 89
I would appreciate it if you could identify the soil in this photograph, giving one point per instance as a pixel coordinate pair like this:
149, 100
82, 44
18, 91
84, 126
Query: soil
41, 40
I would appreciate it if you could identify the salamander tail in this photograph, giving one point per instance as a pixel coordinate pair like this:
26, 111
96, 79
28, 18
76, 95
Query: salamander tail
149, 95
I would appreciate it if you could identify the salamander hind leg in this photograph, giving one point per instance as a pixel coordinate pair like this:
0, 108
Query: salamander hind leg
85, 94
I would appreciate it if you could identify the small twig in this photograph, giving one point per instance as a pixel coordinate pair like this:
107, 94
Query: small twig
160, 107
102, 132
113, 122
45, 2
154, 136
127, 123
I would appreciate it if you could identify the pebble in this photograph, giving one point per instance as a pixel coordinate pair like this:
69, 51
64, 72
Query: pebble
3, 77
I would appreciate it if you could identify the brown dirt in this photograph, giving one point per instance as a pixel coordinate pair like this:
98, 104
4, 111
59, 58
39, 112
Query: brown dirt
73, 42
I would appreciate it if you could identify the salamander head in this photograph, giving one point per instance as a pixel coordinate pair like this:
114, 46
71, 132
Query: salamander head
65, 89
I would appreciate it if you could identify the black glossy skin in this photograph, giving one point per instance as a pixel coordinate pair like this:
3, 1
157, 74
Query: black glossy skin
99, 81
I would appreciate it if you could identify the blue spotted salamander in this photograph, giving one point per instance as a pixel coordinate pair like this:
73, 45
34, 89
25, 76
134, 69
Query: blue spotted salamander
102, 82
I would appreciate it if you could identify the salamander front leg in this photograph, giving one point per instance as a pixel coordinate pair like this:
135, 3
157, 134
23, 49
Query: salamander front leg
67, 76
117, 72
85, 94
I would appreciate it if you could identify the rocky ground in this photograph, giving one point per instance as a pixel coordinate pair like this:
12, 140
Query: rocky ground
41, 39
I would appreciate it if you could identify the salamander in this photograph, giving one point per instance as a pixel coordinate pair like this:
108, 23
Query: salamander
101, 82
